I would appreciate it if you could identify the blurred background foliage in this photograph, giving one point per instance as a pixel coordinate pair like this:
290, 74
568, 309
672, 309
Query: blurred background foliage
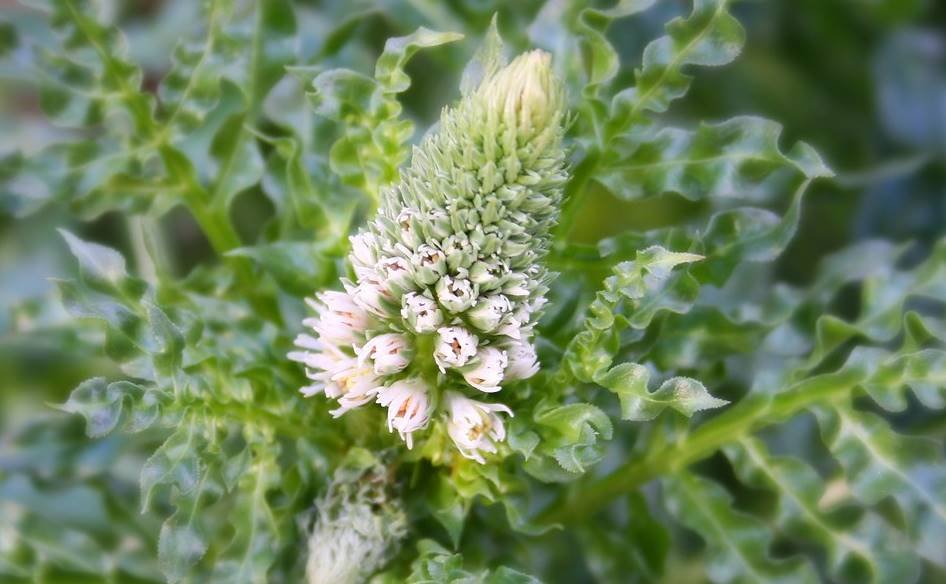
863, 81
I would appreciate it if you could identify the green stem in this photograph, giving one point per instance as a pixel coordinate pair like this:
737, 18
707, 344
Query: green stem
737, 422
575, 193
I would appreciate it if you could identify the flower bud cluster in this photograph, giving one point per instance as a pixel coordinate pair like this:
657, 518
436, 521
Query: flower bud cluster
447, 282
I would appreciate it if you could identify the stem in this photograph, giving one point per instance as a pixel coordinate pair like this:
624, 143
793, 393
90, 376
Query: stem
575, 193
740, 420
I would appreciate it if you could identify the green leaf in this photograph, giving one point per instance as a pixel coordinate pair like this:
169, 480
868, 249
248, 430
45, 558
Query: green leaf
879, 463
644, 287
374, 136
389, 70
238, 163
630, 380
103, 404
101, 266
93, 401
449, 509
176, 462
436, 565
866, 540
710, 36
485, 62
737, 544
740, 158
298, 267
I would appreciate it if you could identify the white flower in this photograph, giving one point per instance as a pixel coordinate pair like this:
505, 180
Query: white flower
511, 327
488, 274
517, 284
405, 221
489, 312
409, 407
487, 374
421, 313
523, 362
429, 264
455, 347
340, 320
394, 271
455, 294
354, 386
389, 352
459, 251
363, 249
322, 362
371, 293
474, 426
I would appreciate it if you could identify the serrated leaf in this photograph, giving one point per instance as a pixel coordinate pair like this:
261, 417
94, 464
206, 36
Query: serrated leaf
100, 407
180, 546
175, 462
710, 36
879, 463
449, 509
389, 70
739, 157
99, 264
737, 544
298, 267
485, 62
630, 380
866, 540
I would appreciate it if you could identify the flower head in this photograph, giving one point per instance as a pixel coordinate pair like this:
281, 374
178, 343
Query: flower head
448, 280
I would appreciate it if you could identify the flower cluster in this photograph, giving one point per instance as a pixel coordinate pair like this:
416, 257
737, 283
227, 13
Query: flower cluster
447, 282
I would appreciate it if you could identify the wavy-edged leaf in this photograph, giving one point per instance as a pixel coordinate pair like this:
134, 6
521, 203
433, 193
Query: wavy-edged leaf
737, 544
738, 158
630, 382
865, 540
709, 36
644, 287
436, 565
879, 462
373, 137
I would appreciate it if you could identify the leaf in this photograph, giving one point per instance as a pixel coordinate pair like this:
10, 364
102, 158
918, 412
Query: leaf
374, 136
710, 36
100, 408
866, 540
389, 70
180, 546
238, 163
739, 157
102, 404
628, 544
449, 509
568, 440
629, 381
737, 544
298, 267
99, 264
175, 463
879, 463
485, 62
256, 526
434, 564
646, 287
